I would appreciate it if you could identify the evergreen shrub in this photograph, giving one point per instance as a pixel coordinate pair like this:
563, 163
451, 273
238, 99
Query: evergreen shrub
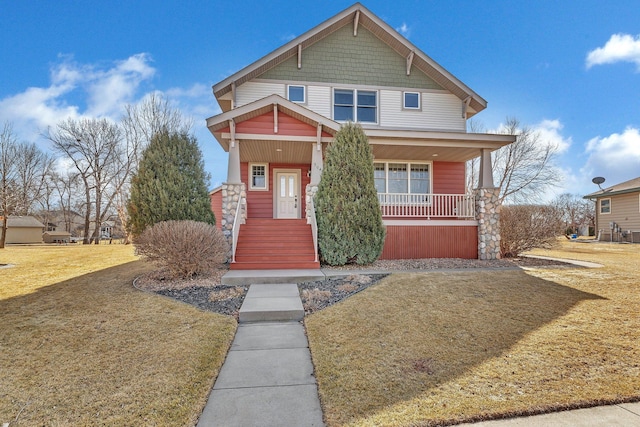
350, 228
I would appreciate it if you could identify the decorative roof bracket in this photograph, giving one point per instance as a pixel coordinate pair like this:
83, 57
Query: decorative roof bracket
465, 106
410, 62
355, 23
232, 130
299, 56
275, 118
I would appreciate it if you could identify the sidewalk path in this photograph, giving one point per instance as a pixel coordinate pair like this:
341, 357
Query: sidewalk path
267, 378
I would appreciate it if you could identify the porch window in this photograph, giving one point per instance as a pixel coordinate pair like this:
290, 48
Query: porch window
296, 94
259, 179
605, 206
355, 105
402, 178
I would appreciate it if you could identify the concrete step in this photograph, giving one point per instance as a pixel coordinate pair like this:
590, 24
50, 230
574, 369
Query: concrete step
271, 302
248, 277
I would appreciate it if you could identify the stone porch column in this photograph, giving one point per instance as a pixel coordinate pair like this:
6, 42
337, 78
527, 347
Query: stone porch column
232, 193
487, 210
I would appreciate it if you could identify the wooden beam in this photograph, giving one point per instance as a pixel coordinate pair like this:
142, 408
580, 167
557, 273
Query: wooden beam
355, 23
299, 56
275, 118
232, 130
410, 62
319, 137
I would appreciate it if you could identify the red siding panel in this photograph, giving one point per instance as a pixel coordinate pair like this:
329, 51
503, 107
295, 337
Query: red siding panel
260, 203
449, 178
216, 207
414, 242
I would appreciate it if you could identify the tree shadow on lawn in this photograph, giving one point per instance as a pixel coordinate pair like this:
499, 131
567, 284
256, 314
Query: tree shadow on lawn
416, 338
93, 350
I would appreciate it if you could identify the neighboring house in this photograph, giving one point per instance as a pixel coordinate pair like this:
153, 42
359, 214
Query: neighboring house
23, 229
56, 237
280, 113
618, 212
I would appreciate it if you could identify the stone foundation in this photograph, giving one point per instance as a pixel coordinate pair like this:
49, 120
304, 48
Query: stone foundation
231, 196
488, 216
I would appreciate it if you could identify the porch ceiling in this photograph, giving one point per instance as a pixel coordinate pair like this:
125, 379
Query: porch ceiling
425, 153
252, 150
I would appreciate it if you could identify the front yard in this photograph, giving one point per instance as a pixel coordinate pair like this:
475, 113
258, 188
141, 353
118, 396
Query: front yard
80, 346
445, 347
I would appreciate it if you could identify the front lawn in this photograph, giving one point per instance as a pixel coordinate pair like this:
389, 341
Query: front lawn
446, 347
80, 346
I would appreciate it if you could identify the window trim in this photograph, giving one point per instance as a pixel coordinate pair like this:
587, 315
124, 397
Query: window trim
408, 164
304, 94
404, 101
600, 206
355, 104
266, 177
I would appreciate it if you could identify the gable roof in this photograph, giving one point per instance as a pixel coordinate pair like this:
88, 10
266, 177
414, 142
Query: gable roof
356, 15
631, 186
23, 222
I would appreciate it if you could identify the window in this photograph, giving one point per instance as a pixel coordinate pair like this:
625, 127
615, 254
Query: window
403, 178
296, 94
259, 176
605, 206
411, 101
355, 105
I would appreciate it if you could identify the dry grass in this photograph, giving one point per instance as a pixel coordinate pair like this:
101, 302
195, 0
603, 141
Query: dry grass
439, 348
80, 346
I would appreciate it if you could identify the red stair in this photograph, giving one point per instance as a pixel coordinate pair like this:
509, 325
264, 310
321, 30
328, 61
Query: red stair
275, 244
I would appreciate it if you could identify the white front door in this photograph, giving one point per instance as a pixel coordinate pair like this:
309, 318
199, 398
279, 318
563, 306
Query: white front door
287, 197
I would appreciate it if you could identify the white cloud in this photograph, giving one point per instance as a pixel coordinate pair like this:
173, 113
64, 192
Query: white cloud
619, 48
404, 29
549, 131
103, 89
615, 157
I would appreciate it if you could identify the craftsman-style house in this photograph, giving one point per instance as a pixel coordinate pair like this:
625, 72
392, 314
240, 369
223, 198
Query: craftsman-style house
280, 113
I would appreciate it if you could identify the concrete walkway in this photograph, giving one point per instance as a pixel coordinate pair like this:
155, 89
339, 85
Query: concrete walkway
267, 378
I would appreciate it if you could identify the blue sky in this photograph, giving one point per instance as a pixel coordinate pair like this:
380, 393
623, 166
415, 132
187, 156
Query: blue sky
569, 69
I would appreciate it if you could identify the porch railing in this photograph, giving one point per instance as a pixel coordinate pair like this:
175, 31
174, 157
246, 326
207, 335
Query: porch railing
311, 219
238, 220
427, 205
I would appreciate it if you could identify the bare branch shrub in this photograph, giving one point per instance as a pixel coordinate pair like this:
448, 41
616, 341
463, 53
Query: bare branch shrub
524, 227
183, 248
313, 298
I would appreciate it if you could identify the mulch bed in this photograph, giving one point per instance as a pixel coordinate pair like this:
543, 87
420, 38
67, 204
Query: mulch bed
206, 293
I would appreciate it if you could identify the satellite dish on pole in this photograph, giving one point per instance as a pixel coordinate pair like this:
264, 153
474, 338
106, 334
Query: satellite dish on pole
598, 180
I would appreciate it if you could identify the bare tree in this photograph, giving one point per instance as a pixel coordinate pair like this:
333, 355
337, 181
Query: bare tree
524, 169
33, 169
140, 123
575, 211
96, 150
8, 176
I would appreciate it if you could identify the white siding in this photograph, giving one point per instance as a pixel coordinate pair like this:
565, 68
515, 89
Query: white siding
319, 100
439, 111
253, 91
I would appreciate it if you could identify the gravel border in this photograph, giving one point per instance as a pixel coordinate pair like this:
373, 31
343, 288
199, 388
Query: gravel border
206, 293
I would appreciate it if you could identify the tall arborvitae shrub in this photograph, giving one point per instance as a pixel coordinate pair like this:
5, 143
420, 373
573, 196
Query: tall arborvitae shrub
170, 184
350, 228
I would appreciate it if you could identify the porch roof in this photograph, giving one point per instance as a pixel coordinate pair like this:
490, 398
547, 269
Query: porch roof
355, 15
387, 143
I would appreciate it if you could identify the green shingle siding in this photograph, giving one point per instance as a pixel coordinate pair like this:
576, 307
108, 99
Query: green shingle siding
342, 58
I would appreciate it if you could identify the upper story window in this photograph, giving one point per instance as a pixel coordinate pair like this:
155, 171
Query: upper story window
605, 206
259, 178
296, 94
411, 101
355, 105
